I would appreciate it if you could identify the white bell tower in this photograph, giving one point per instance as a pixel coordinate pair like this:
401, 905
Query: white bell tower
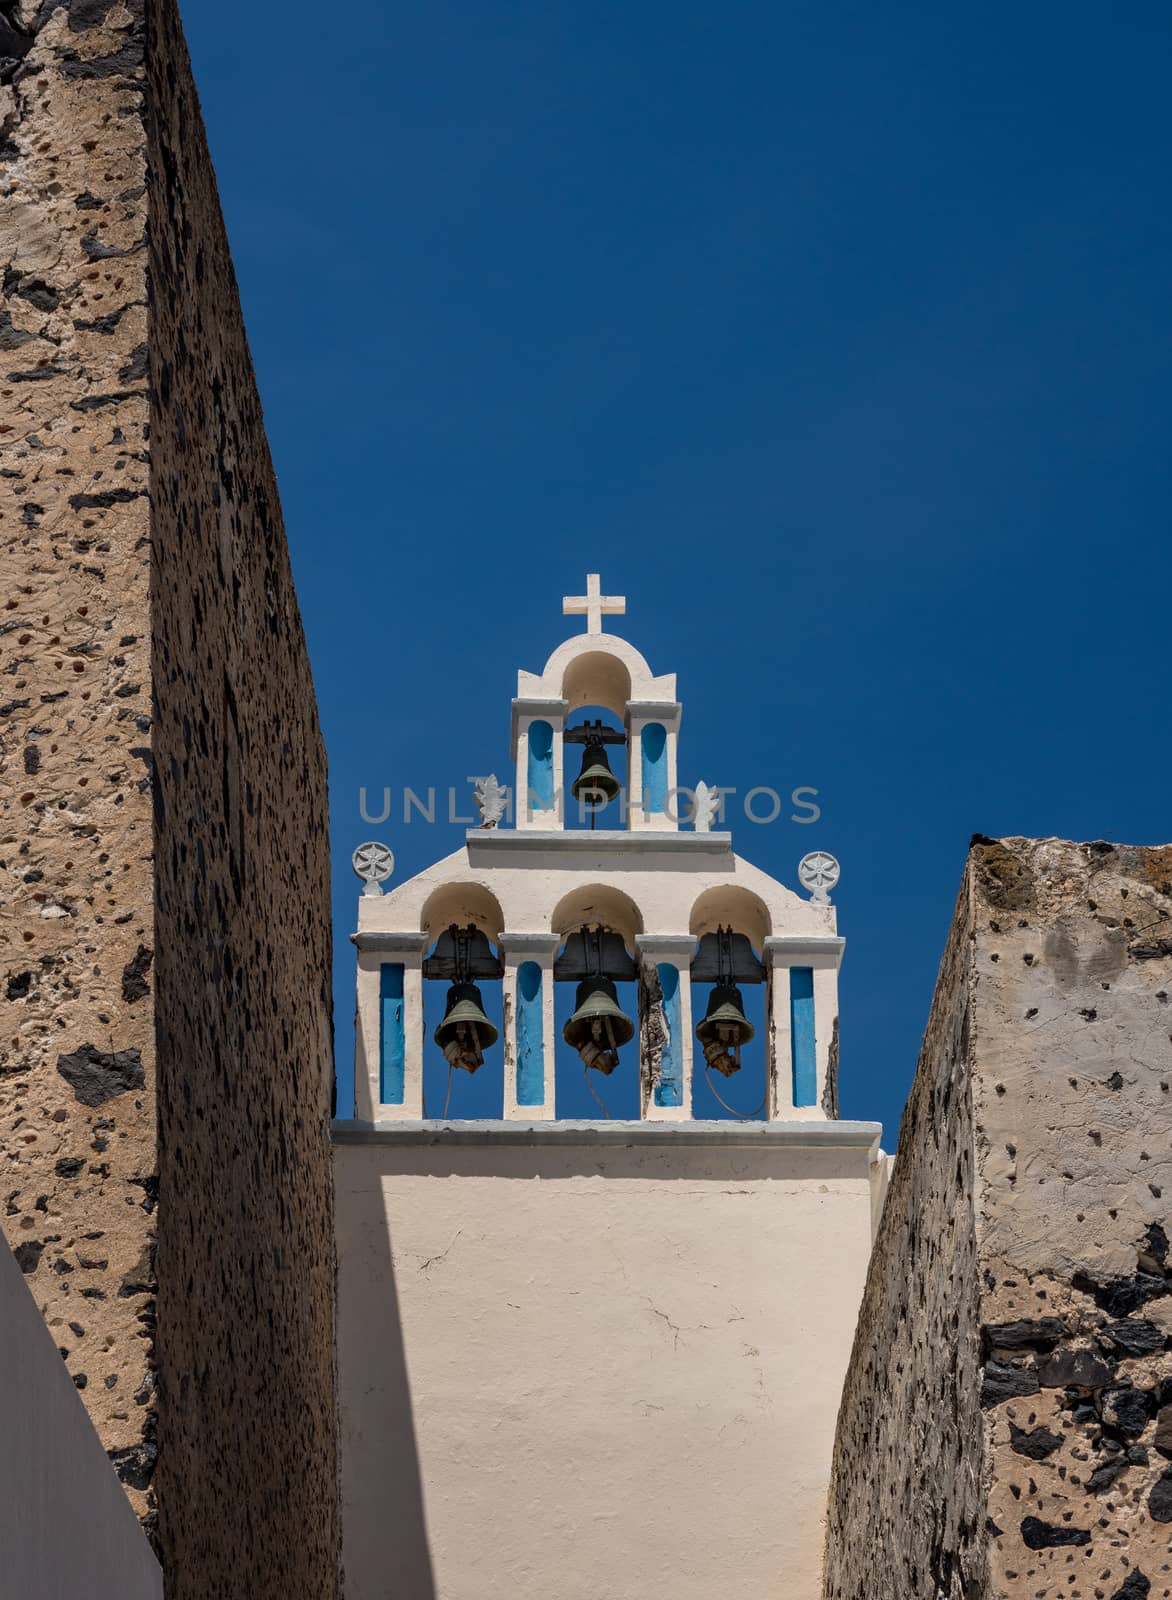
596, 1358
656, 896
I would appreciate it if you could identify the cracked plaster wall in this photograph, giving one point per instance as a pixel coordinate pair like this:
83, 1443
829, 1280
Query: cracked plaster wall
592, 1373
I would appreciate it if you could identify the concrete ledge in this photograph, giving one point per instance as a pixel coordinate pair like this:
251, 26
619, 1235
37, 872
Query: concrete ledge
833, 1135
374, 939
608, 841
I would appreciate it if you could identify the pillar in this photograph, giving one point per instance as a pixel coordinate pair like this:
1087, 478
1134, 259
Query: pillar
662, 816
390, 1008
665, 1026
529, 1026
538, 793
801, 1016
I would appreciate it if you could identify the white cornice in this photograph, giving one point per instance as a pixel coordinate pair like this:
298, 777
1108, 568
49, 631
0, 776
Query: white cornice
824, 1135
600, 843
796, 950
371, 939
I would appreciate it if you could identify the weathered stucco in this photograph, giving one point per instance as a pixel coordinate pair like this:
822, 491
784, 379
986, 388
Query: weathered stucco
159, 636
595, 1370
1065, 999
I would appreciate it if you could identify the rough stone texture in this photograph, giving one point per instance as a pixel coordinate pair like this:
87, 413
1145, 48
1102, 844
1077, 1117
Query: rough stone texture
242, 971
906, 1512
79, 1159
1066, 1003
195, 914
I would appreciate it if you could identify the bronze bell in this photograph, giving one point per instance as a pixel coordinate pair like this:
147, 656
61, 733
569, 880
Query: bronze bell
465, 1031
596, 784
599, 1025
725, 1029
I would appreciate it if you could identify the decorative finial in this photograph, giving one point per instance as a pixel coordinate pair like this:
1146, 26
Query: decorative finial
704, 807
594, 604
818, 872
492, 800
373, 863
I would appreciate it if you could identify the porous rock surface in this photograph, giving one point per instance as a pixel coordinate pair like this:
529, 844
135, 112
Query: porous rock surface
164, 1076
1023, 1256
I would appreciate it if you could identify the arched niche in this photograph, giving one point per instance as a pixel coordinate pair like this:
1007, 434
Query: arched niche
729, 906
598, 905
462, 903
597, 678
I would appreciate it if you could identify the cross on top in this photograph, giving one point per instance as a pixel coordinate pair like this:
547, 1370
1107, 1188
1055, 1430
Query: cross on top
594, 604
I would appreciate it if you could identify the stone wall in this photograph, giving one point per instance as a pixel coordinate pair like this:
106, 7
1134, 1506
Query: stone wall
77, 1081
246, 1253
906, 1514
1067, 1006
151, 629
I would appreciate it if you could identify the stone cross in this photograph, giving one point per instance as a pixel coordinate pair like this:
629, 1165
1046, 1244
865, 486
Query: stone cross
594, 604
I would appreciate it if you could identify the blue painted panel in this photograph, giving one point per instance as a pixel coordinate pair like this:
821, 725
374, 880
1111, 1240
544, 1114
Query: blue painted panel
540, 766
391, 1034
654, 742
801, 1021
530, 1036
669, 1091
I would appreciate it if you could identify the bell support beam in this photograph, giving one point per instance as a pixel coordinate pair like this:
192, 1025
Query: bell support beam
802, 1015
539, 727
528, 1025
665, 1026
653, 805
376, 1015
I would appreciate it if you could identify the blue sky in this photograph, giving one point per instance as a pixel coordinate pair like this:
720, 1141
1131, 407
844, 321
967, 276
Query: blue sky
836, 337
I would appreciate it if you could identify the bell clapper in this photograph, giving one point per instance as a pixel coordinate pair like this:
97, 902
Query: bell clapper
598, 1026
724, 1029
464, 1033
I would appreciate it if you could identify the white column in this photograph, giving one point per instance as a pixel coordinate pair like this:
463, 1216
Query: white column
375, 950
542, 949
639, 714
673, 950
823, 955
526, 814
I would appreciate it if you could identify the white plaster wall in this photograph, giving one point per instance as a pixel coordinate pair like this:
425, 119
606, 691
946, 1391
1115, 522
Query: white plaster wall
66, 1526
572, 1372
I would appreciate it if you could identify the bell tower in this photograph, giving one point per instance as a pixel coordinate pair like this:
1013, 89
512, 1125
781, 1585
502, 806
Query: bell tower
602, 879
588, 1352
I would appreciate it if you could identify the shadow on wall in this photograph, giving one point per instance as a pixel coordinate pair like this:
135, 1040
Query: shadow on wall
383, 1457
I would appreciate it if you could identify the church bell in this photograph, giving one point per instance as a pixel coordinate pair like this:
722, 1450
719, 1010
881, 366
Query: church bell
599, 1025
725, 1029
596, 784
465, 1031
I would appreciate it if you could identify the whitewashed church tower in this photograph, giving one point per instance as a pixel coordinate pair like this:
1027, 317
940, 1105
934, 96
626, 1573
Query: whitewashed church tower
655, 896
591, 1344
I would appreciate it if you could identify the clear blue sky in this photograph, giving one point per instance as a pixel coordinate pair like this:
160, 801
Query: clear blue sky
836, 337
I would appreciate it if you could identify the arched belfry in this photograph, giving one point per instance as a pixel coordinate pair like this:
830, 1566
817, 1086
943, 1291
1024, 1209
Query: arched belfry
605, 874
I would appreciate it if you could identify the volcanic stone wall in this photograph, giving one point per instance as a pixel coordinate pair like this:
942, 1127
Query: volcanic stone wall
77, 1079
166, 1067
1060, 1019
906, 1510
246, 1252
